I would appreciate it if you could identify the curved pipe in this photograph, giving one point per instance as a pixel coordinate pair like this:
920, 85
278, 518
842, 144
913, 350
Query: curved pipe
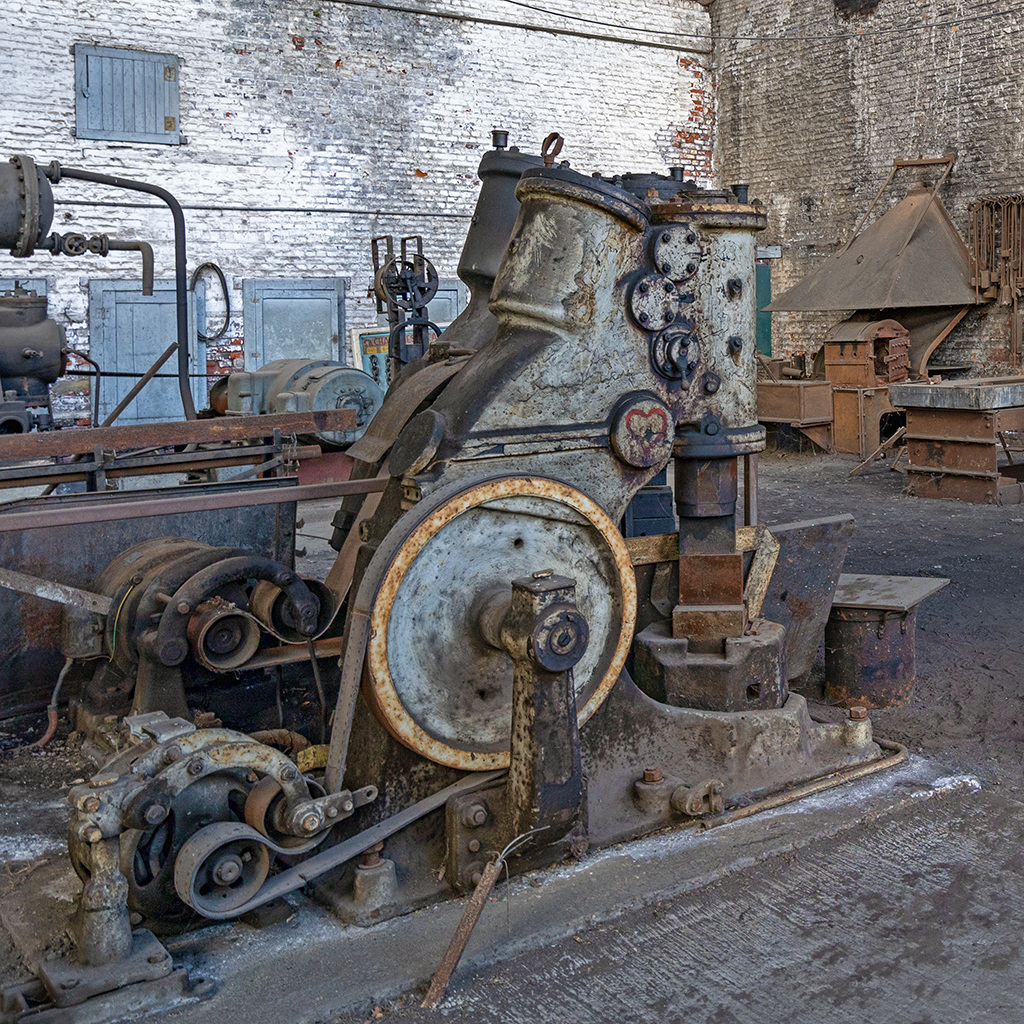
147, 259
180, 276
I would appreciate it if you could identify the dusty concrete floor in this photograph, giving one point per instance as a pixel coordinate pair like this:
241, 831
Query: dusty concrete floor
912, 914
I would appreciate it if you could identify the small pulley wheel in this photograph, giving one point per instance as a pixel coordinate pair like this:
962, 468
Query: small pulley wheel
407, 283
221, 868
259, 814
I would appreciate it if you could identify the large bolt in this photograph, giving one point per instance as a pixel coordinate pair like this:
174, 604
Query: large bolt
90, 804
858, 713
183, 608
155, 813
474, 815
195, 766
653, 775
310, 822
371, 856
289, 774
91, 834
473, 845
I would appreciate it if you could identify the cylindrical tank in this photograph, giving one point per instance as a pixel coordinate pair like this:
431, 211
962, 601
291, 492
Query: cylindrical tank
31, 345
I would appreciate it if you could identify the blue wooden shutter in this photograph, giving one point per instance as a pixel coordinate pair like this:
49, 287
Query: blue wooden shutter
126, 95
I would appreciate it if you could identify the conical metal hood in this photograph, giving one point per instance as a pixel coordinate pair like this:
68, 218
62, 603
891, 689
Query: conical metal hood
911, 256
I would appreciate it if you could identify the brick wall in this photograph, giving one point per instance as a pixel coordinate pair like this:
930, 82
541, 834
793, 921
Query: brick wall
312, 127
814, 125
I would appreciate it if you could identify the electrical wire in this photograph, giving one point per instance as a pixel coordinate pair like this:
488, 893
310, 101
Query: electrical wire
667, 33
319, 689
761, 39
51, 712
227, 300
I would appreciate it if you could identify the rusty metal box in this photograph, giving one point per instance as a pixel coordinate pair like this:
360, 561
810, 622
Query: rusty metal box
857, 420
794, 401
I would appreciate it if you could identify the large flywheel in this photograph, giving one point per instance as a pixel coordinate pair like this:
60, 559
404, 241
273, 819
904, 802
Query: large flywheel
435, 675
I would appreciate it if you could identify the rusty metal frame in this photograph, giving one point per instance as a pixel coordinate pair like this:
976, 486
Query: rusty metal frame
127, 506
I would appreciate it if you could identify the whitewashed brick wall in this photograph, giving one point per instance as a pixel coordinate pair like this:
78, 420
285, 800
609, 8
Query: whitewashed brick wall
293, 109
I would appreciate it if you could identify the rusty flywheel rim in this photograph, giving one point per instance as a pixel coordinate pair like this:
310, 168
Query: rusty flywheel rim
380, 689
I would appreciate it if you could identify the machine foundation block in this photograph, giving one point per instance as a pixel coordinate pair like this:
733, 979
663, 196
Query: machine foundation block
750, 675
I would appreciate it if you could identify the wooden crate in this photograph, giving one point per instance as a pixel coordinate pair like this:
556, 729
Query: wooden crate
797, 402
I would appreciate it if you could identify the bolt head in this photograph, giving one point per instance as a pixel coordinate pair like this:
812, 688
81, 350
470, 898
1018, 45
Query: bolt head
311, 822
155, 813
195, 766
289, 774
653, 775
858, 713
92, 834
90, 804
348, 807
183, 608
474, 845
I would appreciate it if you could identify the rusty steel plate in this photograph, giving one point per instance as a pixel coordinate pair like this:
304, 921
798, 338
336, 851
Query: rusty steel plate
431, 677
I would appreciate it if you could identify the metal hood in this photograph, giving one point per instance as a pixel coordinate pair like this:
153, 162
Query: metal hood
911, 256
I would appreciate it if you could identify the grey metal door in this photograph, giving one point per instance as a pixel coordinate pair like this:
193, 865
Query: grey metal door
128, 331
293, 319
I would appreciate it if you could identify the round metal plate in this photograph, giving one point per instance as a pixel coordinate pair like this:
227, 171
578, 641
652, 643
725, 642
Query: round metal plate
432, 679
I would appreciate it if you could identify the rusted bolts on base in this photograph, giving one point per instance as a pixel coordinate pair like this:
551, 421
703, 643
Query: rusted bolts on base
90, 833
858, 713
474, 816
89, 803
653, 775
371, 856
195, 766
310, 822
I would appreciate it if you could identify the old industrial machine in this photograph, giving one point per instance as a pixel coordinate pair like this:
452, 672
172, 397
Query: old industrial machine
301, 385
508, 670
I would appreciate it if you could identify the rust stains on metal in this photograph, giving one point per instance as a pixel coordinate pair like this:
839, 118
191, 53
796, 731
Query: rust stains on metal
379, 686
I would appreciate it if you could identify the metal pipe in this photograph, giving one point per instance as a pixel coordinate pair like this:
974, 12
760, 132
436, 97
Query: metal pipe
810, 788
147, 259
96, 390
180, 276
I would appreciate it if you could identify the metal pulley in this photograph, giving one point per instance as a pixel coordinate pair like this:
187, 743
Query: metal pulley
437, 673
407, 282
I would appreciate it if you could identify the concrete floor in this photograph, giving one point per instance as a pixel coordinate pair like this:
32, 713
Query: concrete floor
897, 898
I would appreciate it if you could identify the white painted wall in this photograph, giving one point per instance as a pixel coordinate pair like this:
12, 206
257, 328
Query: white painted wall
313, 126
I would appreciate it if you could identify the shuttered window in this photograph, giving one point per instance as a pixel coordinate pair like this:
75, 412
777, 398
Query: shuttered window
126, 95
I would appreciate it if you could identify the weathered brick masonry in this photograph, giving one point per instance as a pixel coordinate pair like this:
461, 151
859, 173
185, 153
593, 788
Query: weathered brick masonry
814, 124
313, 126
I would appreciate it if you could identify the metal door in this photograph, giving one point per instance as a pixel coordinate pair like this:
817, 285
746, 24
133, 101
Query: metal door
128, 331
300, 319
